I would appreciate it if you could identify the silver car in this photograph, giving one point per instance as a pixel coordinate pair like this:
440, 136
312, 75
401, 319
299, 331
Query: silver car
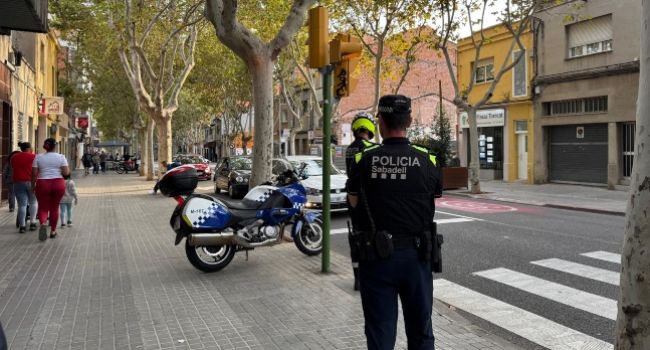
311, 169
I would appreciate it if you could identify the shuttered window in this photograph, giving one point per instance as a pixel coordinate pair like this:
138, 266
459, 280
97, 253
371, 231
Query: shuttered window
590, 37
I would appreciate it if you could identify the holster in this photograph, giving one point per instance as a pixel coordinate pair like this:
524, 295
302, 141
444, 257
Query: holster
436, 250
371, 246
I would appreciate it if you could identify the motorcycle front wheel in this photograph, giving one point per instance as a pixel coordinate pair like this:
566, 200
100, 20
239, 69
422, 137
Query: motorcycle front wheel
310, 238
120, 170
210, 258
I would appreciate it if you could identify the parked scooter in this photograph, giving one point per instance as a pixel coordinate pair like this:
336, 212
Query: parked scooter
215, 229
125, 167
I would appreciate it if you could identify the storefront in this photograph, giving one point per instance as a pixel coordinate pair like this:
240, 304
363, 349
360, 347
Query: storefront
490, 123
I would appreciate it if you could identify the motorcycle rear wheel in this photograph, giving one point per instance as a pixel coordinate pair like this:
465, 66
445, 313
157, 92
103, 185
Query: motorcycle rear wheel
308, 241
210, 258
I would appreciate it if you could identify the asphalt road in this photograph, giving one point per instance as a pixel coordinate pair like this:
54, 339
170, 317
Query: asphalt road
482, 238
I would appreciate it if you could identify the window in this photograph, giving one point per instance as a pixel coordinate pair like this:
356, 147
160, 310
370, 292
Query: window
590, 37
42, 68
484, 71
519, 84
576, 106
521, 126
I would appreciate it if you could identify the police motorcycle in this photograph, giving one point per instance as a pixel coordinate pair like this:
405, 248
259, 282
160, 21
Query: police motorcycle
215, 229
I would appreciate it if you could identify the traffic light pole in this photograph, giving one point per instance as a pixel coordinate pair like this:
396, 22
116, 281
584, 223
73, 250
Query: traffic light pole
327, 164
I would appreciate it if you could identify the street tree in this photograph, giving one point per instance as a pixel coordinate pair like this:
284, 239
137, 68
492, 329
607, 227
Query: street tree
156, 47
258, 40
633, 321
391, 31
453, 14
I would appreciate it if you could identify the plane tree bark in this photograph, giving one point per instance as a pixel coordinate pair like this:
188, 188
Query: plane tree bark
633, 321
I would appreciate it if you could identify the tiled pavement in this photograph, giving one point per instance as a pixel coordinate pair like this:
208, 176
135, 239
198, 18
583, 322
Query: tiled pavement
116, 281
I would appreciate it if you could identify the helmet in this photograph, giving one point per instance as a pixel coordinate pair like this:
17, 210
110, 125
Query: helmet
364, 121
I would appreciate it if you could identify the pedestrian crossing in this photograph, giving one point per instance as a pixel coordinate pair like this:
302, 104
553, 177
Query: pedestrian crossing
535, 328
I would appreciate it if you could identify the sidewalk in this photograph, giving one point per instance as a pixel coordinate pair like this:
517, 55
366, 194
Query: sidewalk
575, 197
116, 281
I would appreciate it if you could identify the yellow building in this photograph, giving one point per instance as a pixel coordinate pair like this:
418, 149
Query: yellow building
506, 122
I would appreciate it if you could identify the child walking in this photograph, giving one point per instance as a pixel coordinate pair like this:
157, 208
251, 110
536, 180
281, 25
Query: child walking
66, 201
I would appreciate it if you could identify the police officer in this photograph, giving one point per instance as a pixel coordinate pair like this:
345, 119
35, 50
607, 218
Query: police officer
363, 129
392, 187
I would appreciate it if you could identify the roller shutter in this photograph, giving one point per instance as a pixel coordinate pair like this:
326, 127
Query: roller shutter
576, 159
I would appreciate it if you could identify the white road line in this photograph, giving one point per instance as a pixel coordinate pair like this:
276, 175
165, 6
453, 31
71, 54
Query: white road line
457, 215
339, 231
559, 293
585, 271
453, 220
535, 328
605, 256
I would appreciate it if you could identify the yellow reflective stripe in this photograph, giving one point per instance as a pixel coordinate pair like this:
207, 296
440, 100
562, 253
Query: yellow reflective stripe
420, 148
357, 157
433, 159
367, 143
371, 148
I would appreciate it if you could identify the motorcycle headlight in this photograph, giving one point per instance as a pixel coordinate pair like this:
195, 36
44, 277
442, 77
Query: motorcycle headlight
239, 179
312, 191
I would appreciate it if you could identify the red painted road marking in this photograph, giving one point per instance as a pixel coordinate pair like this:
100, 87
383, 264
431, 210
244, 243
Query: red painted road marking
475, 206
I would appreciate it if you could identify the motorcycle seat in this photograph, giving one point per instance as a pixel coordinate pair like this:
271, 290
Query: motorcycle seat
241, 204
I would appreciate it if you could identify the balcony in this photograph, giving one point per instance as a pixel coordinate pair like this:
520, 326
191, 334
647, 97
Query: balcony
23, 15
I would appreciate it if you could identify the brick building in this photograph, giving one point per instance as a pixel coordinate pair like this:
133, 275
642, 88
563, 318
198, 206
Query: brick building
421, 84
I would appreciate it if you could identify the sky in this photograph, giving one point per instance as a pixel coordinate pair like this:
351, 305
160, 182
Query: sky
489, 18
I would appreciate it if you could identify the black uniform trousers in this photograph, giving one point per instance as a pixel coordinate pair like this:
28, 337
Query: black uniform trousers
382, 281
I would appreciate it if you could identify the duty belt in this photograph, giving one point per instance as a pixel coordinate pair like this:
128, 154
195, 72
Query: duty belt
404, 242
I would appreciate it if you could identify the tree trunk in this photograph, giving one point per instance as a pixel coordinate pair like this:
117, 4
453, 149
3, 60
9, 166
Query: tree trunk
142, 141
262, 75
292, 141
474, 164
633, 322
148, 159
164, 133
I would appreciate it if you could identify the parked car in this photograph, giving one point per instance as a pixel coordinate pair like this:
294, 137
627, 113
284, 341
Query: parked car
232, 175
200, 164
310, 169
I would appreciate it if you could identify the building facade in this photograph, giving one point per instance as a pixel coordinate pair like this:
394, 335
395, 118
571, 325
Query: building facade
586, 92
505, 123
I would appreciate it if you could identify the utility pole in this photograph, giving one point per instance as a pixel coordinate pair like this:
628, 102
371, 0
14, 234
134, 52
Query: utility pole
340, 57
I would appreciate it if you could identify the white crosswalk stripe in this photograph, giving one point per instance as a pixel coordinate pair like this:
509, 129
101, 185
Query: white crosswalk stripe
604, 256
559, 293
585, 271
535, 328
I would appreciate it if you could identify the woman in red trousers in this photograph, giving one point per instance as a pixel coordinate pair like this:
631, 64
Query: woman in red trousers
48, 170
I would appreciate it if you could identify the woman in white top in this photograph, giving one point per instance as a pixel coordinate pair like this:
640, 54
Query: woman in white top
48, 170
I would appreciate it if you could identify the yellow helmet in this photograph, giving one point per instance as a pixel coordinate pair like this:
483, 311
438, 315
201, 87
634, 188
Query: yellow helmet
364, 121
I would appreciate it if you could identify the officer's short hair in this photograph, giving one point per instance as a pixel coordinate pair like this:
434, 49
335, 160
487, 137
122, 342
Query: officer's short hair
395, 110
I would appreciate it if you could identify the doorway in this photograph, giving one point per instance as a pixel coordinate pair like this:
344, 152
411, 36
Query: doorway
522, 158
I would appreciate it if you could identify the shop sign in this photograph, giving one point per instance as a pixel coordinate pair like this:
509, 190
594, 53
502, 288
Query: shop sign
485, 118
51, 105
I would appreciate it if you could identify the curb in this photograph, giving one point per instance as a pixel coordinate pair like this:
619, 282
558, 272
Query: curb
538, 204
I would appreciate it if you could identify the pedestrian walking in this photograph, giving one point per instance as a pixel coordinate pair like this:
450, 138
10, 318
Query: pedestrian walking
102, 162
392, 187
21, 170
7, 177
69, 197
96, 162
363, 129
87, 160
47, 178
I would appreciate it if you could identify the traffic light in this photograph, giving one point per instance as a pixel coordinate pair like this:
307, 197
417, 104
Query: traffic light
318, 36
345, 51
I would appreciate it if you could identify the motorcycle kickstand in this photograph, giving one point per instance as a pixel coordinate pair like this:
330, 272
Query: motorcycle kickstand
246, 255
